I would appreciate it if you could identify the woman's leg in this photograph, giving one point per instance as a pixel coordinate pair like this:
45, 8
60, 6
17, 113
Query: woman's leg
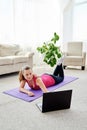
59, 71
58, 74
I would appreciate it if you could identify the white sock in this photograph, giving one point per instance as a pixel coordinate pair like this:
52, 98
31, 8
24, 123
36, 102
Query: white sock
60, 60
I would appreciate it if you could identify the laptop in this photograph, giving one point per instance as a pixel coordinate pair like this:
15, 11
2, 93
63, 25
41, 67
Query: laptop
56, 100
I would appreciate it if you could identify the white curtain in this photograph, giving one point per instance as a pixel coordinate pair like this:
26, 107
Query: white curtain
36, 20
6, 21
29, 21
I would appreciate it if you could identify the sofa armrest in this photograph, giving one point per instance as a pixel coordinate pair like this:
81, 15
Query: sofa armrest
84, 58
29, 54
84, 54
65, 53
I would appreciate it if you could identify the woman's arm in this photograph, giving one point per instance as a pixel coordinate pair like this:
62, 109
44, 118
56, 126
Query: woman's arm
22, 89
40, 83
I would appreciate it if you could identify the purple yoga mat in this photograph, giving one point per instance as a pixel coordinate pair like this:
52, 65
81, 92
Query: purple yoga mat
38, 93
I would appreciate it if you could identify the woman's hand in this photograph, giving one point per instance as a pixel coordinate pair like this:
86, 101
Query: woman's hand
22, 89
31, 94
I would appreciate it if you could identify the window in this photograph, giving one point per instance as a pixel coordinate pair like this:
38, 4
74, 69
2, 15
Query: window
80, 20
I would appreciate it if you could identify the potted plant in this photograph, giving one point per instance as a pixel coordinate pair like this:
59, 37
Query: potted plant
50, 51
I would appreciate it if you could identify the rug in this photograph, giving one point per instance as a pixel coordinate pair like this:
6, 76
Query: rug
38, 93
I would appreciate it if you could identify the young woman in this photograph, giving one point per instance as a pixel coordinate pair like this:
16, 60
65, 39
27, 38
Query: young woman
39, 82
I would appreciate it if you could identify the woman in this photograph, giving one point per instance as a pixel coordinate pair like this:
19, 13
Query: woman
42, 82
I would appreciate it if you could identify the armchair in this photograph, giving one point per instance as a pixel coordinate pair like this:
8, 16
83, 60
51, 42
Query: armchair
75, 55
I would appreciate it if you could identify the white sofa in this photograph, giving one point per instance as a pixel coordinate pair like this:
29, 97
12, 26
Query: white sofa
13, 57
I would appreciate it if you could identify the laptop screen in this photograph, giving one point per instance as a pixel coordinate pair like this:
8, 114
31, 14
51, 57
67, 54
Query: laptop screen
56, 100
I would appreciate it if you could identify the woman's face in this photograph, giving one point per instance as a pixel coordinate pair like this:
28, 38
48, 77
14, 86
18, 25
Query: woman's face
28, 74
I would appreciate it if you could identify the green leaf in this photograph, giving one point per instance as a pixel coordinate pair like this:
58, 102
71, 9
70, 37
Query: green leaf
50, 50
55, 38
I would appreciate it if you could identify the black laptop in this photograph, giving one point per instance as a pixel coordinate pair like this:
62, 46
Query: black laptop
56, 100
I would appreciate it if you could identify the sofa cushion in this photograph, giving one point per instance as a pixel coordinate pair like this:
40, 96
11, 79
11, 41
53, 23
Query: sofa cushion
24, 50
73, 58
9, 49
5, 60
21, 53
19, 59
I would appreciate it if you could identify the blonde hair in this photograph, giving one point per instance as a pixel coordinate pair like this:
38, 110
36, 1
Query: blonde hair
21, 76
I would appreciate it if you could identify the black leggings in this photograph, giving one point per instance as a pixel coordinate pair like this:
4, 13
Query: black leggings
58, 74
